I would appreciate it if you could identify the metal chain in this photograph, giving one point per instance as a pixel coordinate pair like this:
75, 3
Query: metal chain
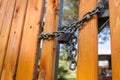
77, 25
72, 50
74, 26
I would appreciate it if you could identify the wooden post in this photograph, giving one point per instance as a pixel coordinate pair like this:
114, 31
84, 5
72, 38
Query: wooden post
28, 57
114, 6
9, 67
87, 44
4, 34
47, 61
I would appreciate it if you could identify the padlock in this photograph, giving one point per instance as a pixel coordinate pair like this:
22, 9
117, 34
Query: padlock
65, 38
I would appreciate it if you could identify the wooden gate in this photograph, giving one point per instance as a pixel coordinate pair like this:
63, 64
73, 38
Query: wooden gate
19, 43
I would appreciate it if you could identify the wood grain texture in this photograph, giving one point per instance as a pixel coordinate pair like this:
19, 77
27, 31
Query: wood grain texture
3, 4
5, 30
87, 44
30, 43
114, 6
9, 67
47, 61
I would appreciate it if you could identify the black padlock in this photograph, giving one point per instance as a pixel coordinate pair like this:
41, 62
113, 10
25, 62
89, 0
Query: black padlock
65, 38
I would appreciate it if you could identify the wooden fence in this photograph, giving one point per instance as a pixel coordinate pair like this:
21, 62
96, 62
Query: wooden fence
19, 44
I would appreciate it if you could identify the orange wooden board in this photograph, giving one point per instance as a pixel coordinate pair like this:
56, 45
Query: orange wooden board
9, 67
27, 62
3, 5
114, 6
87, 44
47, 61
4, 34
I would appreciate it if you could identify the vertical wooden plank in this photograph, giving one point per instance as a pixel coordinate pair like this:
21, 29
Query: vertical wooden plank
114, 6
28, 54
87, 45
3, 4
47, 61
5, 30
9, 67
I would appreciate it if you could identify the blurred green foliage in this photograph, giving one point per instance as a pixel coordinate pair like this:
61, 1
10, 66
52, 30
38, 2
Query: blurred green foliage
70, 12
